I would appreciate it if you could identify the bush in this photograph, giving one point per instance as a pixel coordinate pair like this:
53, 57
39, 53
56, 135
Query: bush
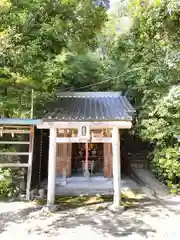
10, 179
166, 165
7, 188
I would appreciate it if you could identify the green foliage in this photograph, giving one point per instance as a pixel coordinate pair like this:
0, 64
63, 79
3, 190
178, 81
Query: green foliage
74, 70
148, 56
149, 62
10, 179
34, 36
70, 45
174, 188
166, 165
7, 188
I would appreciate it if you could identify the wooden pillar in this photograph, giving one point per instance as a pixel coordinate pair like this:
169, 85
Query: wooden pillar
30, 160
87, 153
116, 166
51, 168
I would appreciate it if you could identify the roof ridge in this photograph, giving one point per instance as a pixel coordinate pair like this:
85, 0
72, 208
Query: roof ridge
88, 94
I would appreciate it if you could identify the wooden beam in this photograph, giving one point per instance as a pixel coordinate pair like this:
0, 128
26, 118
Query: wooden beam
92, 125
15, 131
116, 166
14, 153
83, 140
8, 165
101, 140
17, 127
30, 159
13, 142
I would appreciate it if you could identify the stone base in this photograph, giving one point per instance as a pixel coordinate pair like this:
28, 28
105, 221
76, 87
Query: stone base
118, 209
86, 174
49, 209
64, 183
41, 193
22, 197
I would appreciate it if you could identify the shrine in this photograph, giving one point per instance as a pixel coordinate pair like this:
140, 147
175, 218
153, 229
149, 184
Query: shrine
76, 137
84, 138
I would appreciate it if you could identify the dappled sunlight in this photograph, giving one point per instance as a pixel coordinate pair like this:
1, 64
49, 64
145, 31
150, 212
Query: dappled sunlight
90, 217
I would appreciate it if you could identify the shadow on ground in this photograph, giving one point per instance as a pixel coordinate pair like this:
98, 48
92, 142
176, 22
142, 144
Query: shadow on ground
103, 221
15, 216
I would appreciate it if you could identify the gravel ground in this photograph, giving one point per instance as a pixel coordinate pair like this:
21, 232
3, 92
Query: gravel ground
149, 220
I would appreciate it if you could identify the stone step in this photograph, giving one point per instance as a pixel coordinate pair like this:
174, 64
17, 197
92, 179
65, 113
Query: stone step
151, 182
78, 192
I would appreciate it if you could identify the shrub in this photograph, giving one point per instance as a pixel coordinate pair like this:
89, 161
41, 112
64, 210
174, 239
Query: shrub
166, 165
10, 179
7, 188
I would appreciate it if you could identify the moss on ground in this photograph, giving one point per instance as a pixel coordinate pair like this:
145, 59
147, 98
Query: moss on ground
69, 202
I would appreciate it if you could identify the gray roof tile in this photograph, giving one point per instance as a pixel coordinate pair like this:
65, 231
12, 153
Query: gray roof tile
98, 106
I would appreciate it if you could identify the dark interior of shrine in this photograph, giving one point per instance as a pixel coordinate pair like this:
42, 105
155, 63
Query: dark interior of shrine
95, 155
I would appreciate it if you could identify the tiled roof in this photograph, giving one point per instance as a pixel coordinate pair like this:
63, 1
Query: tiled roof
89, 106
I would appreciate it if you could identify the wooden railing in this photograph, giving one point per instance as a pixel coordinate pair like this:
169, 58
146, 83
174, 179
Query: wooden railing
19, 130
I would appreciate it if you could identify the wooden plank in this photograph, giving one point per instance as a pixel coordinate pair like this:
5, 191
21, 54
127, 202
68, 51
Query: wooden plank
92, 125
14, 153
13, 165
83, 140
17, 126
101, 140
14, 131
30, 159
13, 142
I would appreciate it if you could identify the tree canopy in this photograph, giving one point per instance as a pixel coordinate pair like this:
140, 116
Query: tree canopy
130, 46
73, 45
35, 36
149, 58
147, 53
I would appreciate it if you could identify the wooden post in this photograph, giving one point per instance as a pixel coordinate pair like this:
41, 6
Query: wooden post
86, 160
52, 168
32, 103
116, 166
30, 159
86, 172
